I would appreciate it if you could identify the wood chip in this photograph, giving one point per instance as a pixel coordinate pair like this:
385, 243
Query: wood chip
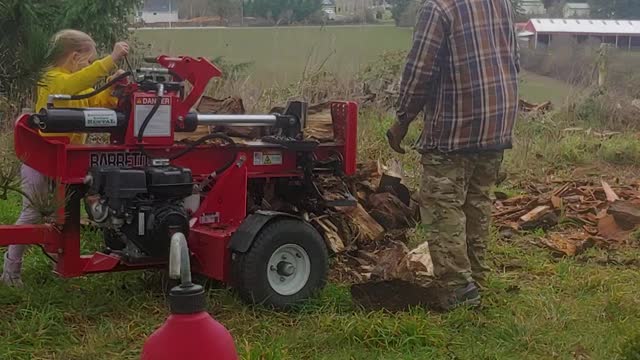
368, 227
535, 214
611, 195
330, 234
566, 245
556, 201
559, 244
515, 216
517, 200
390, 212
626, 214
609, 229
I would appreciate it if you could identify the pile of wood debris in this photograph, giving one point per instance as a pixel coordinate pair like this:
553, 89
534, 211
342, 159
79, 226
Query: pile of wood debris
384, 271
377, 249
590, 214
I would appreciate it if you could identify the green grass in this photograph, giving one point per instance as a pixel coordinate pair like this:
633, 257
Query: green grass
539, 308
537, 88
543, 144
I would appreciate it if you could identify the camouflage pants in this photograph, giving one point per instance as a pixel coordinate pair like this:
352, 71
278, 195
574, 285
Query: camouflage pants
455, 208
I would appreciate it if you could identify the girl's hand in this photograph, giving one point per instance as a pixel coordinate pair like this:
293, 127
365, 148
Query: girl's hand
120, 50
118, 87
116, 74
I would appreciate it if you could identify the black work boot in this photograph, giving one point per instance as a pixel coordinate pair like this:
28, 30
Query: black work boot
464, 296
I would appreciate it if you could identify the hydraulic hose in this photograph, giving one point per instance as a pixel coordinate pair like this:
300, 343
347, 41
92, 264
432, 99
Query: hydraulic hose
205, 186
200, 141
147, 119
95, 92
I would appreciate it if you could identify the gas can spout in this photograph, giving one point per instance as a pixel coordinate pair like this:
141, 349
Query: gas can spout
186, 298
179, 263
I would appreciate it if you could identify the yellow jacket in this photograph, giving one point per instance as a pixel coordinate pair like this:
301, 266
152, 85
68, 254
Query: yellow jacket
61, 81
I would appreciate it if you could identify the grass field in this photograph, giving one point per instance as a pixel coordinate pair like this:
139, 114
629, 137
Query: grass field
281, 54
538, 88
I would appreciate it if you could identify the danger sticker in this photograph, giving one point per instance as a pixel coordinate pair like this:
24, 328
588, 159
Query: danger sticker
152, 101
272, 158
160, 123
100, 118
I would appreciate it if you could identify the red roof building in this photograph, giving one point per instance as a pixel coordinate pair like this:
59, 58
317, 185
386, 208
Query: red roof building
623, 34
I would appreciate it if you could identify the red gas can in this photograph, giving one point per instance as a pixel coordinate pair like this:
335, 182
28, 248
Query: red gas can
189, 333
190, 336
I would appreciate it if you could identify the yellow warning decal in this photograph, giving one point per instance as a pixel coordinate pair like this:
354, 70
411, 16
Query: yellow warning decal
270, 158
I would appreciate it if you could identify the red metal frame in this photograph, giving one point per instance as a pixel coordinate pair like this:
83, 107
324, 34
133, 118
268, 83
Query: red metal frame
68, 164
198, 72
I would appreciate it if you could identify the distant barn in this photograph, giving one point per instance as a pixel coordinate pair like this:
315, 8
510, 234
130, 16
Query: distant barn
623, 34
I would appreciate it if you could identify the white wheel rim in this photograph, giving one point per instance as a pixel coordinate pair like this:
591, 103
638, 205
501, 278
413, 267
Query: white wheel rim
288, 269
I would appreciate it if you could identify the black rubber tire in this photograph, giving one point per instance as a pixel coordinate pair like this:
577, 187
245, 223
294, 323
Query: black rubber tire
250, 269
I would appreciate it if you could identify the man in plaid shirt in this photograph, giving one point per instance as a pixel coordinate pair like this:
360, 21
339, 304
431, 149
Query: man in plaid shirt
462, 71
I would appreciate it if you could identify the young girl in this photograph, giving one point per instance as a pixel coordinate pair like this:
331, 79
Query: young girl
74, 71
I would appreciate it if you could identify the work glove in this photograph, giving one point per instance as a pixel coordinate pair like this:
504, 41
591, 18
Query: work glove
396, 134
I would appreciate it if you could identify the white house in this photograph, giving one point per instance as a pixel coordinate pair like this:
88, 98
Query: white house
533, 7
158, 11
329, 5
329, 9
576, 10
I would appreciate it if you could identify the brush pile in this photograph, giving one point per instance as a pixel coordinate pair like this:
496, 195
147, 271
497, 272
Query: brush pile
575, 215
385, 272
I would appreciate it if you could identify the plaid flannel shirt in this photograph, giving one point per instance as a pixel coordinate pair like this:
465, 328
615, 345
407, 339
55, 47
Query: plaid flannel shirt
462, 71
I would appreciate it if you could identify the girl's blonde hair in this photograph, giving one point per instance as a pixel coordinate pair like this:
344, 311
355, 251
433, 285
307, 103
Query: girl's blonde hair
66, 41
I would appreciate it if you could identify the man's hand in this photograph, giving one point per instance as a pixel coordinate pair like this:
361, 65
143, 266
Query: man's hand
396, 134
